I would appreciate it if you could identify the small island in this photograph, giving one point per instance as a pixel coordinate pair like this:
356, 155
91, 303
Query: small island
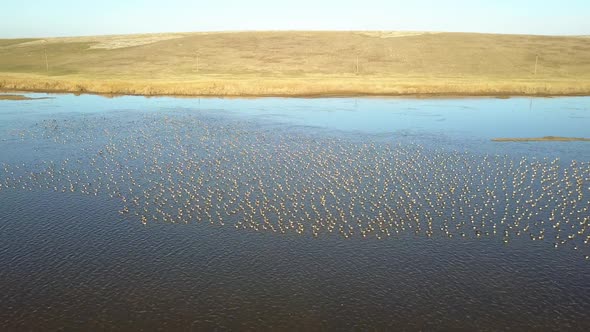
19, 97
543, 139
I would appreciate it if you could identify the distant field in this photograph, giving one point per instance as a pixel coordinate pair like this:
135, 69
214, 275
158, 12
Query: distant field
300, 64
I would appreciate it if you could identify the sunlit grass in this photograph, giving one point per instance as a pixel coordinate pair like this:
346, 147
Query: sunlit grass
300, 64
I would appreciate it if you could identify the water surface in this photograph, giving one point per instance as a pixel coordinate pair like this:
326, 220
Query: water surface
371, 213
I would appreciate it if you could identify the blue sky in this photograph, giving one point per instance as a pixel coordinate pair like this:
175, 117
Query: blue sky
34, 18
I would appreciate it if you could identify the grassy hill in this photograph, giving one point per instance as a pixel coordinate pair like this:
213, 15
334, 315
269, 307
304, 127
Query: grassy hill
300, 63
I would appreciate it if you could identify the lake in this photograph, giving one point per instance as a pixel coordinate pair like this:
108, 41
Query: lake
289, 214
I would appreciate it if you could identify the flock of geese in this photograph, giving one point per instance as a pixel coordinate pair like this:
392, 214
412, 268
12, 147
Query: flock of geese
188, 167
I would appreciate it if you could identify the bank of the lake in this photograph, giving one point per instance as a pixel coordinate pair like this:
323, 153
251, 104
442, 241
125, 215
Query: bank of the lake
295, 87
300, 64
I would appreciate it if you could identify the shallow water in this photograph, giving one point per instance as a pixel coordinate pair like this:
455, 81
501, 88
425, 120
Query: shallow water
371, 213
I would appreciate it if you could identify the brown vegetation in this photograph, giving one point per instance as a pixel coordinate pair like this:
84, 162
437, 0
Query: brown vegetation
300, 64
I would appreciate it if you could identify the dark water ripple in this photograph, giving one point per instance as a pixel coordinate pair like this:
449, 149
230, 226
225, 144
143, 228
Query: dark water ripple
88, 272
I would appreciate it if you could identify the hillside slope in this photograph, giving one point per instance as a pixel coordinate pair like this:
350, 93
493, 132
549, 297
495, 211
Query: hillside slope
300, 63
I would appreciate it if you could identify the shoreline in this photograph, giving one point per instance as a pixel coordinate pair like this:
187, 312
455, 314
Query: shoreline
332, 87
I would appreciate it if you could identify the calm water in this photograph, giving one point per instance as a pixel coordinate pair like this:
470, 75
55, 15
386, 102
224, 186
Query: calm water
275, 214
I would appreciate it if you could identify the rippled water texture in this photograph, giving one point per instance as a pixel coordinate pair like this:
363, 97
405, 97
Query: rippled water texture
274, 214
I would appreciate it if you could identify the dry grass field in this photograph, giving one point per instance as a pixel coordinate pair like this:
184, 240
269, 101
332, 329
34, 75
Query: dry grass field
300, 64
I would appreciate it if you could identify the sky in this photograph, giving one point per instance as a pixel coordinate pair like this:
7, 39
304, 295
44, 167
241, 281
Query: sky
47, 18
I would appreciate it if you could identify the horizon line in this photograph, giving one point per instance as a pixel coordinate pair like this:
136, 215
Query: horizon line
294, 30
